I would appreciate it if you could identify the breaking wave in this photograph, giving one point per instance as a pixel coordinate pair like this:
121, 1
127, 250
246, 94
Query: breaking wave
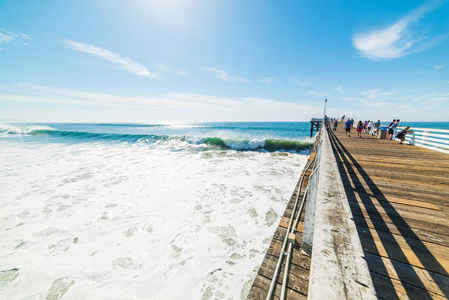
270, 145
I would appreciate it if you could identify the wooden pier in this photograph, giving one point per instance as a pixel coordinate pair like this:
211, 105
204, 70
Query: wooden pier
399, 200
315, 125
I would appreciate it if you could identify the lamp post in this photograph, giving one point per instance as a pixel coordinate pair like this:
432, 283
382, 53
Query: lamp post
325, 104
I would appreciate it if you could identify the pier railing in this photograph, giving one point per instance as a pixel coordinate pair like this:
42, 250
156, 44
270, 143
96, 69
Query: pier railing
435, 139
330, 237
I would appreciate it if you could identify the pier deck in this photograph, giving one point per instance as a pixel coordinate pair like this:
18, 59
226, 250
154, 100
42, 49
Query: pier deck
399, 199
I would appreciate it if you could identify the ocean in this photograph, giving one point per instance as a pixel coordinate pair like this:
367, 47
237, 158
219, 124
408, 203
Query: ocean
142, 211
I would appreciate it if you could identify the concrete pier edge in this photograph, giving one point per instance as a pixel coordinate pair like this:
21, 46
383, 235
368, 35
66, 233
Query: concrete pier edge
338, 268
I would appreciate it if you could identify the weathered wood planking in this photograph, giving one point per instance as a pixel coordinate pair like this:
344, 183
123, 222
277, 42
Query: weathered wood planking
435, 283
298, 282
399, 196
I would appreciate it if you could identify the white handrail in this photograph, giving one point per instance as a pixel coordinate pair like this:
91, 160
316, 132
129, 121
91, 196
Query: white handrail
426, 138
430, 129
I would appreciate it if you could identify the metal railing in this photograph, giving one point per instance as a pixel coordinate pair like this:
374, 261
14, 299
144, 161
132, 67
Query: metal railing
311, 197
290, 235
435, 139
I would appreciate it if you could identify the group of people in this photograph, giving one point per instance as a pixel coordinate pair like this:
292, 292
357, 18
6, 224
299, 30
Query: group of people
401, 134
370, 127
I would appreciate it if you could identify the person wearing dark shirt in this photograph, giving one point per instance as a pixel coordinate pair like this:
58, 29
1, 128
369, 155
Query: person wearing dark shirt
390, 130
401, 134
348, 126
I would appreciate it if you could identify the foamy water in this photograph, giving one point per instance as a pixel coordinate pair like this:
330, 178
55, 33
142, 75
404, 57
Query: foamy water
97, 220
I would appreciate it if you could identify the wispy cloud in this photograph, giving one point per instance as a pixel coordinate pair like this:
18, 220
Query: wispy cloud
168, 69
7, 37
396, 40
419, 71
168, 106
191, 107
225, 76
268, 80
124, 62
314, 93
375, 94
303, 82
438, 67
340, 89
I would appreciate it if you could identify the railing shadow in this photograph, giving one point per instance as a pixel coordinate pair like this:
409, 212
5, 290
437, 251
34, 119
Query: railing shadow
348, 168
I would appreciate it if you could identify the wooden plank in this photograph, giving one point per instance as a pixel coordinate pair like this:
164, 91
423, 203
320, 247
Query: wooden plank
419, 186
420, 232
297, 258
370, 163
410, 202
434, 258
398, 210
284, 224
298, 279
400, 291
416, 277
401, 222
260, 287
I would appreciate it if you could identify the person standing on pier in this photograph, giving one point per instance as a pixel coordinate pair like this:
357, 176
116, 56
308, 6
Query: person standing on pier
376, 127
359, 129
391, 130
348, 126
369, 126
335, 125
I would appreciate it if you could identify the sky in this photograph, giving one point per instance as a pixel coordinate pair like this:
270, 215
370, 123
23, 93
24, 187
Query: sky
179, 61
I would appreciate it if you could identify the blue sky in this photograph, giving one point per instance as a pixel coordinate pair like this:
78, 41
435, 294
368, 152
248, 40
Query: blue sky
207, 60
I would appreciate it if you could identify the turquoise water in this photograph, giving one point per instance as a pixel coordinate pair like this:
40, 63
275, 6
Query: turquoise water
273, 136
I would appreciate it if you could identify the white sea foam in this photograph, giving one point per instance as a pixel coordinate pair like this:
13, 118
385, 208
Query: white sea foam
132, 221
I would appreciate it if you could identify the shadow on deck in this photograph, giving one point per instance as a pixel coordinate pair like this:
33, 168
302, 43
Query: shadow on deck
405, 238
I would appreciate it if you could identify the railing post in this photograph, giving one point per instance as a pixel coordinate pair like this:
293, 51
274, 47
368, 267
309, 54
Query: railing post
424, 135
412, 139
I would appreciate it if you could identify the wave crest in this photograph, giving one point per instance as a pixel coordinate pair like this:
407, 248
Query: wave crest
269, 145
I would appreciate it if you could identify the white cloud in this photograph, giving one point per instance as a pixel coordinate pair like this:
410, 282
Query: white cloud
69, 105
268, 80
304, 82
168, 69
396, 40
164, 107
340, 89
125, 62
438, 67
7, 37
375, 94
225, 76
314, 93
